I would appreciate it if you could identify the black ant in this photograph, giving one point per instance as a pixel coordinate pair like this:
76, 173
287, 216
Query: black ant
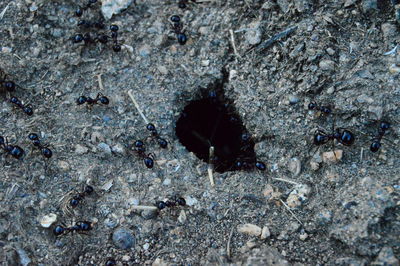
152, 128
110, 262
81, 196
326, 110
26, 108
148, 159
170, 203
6, 85
79, 10
90, 101
15, 151
46, 152
101, 38
177, 28
248, 163
183, 3
114, 35
344, 137
376, 141
80, 227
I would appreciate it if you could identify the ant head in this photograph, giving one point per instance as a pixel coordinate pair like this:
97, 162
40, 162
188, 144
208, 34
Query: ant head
149, 162
347, 138
89, 189
81, 100
28, 110
175, 18
9, 86
77, 38
261, 166
114, 28
151, 127
33, 136
46, 152
116, 48
58, 230
104, 100
320, 138
312, 105
182, 38
2, 141
375, 146
162, 142
160, 205
17, 152
383, 125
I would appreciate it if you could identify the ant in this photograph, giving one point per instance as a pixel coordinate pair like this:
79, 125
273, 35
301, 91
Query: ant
147, 159
26, 108
79, 10
245, 165
110, 262
183, 3
80, 196
344, 137
90, 101
326, 110
114, 35
46, 152
177, 28
152, 128
15, 151
102, 38
6, 85
376, 141
171, 203
80, 227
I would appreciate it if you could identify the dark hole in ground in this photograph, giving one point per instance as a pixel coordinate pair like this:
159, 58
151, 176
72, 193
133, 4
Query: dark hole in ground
213, 122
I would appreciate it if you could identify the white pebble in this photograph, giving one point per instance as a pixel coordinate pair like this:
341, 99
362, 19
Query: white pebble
47, 220
250, 229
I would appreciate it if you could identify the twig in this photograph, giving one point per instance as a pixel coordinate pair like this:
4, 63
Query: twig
137, 107
291, 212
100, 82
228, 245
285, 180
142, 207
4, 11
361, 154
275, 38
210, 168
233, 44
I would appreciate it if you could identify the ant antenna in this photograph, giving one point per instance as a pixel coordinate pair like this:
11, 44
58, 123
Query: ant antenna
137, 107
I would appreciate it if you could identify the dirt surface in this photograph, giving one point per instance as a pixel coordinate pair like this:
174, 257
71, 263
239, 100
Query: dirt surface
310, 211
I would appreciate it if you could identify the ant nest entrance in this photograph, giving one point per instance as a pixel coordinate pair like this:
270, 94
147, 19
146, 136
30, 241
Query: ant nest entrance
213, 122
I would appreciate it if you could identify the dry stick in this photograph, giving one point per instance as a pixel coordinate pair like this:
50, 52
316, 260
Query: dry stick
100, 82
211, 166
143, 207
285, 180
233, 44
275, 38
228, 245
291, 212
4, 11
137, 107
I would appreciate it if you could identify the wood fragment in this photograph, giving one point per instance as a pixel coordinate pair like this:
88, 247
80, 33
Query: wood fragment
210, 168
268, 43
137, 107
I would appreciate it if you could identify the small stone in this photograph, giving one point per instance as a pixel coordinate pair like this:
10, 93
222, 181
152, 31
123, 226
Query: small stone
126, 258
294, 166
265, 233
104, 147
386, 257
332, 156
324, 217
268, 190
167, 182
293, 99
149, 214
33, 7
114, 7
327, 65
63, 165
79, 149
182, 217
111, 222
314, 165
190, 201
253, 35
106, 187
251, 244
163, 70
298, 196
23, 257
330, 51
47, 220
394, 69
303, 236
205, 63
349, 3
118, 149
123, 238
146, 246
250, 229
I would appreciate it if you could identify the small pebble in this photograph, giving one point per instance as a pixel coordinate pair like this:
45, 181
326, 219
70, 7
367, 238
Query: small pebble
298, 196
332, 157
327, 65
118, 149
294, 166
23, 257
149, 214
303, 236
182, 217
250, 229
79, 149
123, 238
47, 220
265, 233
104, 147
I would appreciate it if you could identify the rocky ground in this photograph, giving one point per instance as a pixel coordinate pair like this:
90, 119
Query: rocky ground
309, 207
